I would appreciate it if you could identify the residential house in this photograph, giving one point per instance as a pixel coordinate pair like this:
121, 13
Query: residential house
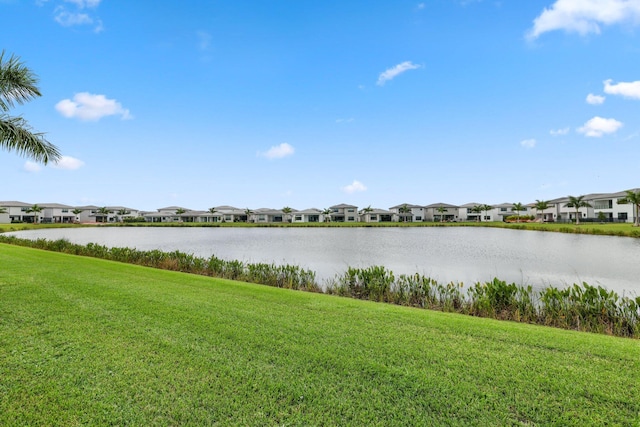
16, 212
467, 212
308, 215
267, 215
378, 215
606, 206
56, 213
441, 212
344, 213
408, 213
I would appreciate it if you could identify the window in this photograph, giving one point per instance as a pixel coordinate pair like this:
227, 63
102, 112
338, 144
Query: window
603, 204
350, 218
623, 215
298, 217
350, 210
503, 209
419, 218
335, 210
65, 210
373, 217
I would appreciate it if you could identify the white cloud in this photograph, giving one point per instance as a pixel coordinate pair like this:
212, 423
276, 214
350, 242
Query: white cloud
69, 19
354, 187
84, 3
595, 99
278, 151
393, 72
30, 166
90, 107
68, 163
598, 126
528, 143
558, 132
349, 120
584, 16
626, 89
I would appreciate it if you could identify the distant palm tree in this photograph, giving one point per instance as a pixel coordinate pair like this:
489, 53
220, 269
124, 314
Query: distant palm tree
77, 212
517, 208
477, 210
486, 208
633, 198
327, 215
365, 211
404, 210
103, 213
540, 206
212, 210
287, 213
577, 203
3, 210
17, 86
248, 212
441, 210
36, 210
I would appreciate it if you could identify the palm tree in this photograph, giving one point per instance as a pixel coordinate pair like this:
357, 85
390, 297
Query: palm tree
441, 210
477, 210
287, 213
248, 212
486, 208
404, 210
365, 211
633, 198
327, 215
577, 203
104, 213
212, 211
36, 210
517, 208
540, 206
77, 212
17, 86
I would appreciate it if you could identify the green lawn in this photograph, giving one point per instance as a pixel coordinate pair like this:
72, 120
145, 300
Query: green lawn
88, 341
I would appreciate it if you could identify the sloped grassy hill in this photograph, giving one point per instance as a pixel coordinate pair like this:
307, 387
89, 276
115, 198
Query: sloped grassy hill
87, 341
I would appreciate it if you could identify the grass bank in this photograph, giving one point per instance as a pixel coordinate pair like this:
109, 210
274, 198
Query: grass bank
89, 341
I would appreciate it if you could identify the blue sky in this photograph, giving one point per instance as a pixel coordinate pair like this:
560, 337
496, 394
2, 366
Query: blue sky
265, 103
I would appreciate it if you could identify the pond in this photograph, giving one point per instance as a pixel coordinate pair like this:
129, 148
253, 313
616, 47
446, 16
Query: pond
459, 254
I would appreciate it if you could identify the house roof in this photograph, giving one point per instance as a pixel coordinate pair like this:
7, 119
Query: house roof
469, 205
15, 204
440, 205
377, 211
342, 206
409, 205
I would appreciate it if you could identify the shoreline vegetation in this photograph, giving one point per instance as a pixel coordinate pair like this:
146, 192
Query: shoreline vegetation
580, 307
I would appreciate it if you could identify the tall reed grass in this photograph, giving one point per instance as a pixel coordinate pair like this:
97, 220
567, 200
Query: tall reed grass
580, 307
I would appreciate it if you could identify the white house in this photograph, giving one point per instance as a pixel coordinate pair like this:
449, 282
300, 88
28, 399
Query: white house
16, 212
308, 215
414, 213
441, 212
378, 215
344, 213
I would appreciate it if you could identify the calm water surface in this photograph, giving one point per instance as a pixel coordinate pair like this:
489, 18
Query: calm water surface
446, 254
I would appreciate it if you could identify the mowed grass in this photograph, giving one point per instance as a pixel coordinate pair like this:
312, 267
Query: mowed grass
88, 341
